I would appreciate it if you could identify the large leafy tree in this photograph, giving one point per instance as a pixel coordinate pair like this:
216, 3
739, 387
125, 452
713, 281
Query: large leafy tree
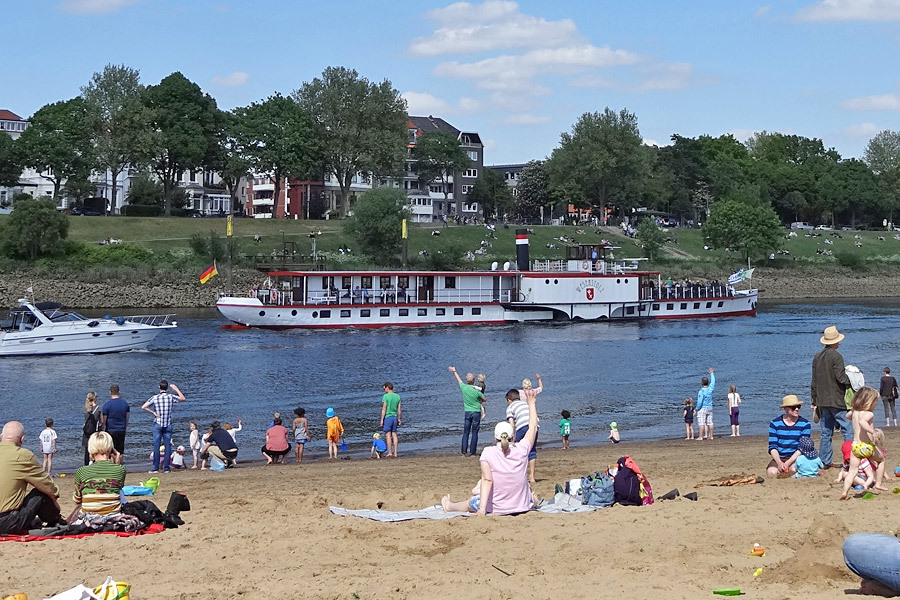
438, 156
651, 238
743, 223
491, 193
278, 139
599, 161
11, 162
229, 161
59, 142
184, 130
114, 97
34, 228
377, 223
361, 125
882, 154
533, 190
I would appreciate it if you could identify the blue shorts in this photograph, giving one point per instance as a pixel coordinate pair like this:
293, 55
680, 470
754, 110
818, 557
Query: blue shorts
390, 425
520, 433
475, 502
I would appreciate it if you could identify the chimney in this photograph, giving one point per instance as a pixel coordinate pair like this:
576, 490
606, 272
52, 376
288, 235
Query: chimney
522, 259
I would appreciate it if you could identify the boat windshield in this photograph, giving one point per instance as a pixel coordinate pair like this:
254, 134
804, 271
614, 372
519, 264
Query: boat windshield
61, 317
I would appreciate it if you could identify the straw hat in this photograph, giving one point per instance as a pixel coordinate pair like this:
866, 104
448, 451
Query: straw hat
832, 336
790, 400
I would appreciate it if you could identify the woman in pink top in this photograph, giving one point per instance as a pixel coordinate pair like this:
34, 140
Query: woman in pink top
503, 488
276, 446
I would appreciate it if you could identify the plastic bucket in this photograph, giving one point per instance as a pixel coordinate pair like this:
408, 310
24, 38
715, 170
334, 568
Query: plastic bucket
116, 590
153, 482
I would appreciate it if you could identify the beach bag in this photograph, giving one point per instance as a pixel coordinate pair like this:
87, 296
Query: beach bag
597, 490
215, 464
631, 487
857, 380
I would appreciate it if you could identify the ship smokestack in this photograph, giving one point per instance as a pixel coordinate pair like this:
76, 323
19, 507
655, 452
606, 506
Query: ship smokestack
522, 259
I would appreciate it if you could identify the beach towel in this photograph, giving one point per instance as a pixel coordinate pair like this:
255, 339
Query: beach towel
155, 528
731, 480
561, 503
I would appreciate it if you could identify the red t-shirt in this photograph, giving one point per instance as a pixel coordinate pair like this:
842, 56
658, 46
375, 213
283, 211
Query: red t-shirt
276, 438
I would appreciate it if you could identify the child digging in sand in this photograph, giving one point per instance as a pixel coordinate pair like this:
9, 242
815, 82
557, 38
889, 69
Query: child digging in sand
865, 438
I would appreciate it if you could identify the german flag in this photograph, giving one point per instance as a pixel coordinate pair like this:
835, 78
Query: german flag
208, 274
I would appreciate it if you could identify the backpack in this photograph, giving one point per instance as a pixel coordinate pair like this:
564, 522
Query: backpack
597, 490
91, 425
631, 487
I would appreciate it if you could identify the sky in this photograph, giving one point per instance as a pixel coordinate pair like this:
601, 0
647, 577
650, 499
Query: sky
518, 73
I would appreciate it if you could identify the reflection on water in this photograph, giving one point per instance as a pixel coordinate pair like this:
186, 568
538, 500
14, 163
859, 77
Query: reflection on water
635, 373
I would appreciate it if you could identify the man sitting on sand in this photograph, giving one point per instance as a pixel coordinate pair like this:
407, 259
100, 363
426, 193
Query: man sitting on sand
19, 511
784, 436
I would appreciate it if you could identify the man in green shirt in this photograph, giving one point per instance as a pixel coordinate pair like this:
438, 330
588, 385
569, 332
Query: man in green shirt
391, 412
473, 405
19, 511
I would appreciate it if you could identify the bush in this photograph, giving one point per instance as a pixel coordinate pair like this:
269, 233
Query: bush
851, 260
210, 247
82, 256
141, 210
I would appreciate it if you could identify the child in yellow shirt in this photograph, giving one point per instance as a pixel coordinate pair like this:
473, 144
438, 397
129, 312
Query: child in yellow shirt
335, 431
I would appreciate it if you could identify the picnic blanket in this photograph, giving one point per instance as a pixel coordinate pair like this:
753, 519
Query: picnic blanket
731, 480
561, 503
152, 528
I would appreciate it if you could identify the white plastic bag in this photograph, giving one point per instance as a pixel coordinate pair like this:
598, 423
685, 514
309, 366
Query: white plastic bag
215, 464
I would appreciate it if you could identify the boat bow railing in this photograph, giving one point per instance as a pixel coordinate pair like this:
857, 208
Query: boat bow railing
153, 320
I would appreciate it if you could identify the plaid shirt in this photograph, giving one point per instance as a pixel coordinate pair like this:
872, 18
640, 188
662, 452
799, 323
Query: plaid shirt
162, 405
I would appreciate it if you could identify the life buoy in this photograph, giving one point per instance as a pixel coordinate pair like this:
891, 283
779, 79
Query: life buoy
273, 295
585, 265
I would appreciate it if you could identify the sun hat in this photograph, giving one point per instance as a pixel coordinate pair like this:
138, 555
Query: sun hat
179, 449
329, 412
832, 336
790, 400
501, 428
807, 448
847, 450
613, 425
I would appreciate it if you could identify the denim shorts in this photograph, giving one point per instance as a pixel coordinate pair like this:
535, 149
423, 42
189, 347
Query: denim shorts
475, 502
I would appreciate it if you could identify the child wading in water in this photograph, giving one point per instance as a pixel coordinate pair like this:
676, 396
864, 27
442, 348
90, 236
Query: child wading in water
688, 419
301, 432
335, 431
865, 438
614, 433
565, 428
734, 400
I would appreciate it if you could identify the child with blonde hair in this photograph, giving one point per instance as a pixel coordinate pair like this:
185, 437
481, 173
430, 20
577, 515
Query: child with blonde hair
865, 438
734, 411
688, 418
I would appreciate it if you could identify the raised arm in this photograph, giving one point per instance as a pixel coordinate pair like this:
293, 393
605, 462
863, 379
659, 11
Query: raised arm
181, 397
453, 370
531, 435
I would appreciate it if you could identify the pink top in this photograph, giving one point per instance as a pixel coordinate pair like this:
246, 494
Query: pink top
276, 438
510, 492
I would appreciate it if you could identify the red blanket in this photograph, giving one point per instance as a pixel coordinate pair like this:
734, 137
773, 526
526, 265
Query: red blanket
153, 528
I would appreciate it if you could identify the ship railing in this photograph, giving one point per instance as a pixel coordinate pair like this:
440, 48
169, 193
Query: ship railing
550, 266
153, 320
374, 297
693, 292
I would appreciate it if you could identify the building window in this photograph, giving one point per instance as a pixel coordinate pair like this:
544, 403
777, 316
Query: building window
193, 177
450, 282
470, 173
470, 207
472, 154
467, 188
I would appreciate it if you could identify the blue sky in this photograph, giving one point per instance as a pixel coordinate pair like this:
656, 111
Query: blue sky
519, 73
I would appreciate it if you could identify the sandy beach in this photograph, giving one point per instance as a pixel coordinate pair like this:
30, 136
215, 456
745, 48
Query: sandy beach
266, 532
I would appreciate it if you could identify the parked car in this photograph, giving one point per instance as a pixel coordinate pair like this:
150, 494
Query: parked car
84, 212
668, 223
823, 228
801, 225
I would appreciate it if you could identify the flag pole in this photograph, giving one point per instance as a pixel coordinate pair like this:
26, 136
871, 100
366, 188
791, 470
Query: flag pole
229, 231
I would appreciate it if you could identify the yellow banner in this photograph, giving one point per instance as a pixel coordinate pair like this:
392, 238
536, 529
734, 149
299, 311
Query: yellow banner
403, 234
229, 230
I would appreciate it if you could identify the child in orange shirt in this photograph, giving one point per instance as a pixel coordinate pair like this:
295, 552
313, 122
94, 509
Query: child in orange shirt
335, 431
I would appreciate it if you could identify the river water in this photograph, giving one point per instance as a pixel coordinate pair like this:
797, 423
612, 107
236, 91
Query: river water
635, 373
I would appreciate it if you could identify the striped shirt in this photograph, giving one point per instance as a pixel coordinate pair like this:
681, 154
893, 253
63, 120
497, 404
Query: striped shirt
97, 487
786, 438
162, 405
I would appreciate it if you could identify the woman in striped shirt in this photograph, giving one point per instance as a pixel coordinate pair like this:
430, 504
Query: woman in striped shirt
97, 486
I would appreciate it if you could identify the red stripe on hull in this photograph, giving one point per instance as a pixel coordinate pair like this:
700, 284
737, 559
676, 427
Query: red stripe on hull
380, 326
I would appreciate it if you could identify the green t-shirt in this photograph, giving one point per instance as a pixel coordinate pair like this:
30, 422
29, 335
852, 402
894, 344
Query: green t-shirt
393, 401
565, 427
471, 397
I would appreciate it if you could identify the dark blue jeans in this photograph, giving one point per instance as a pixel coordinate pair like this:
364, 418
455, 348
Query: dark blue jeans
472, 423
163, 434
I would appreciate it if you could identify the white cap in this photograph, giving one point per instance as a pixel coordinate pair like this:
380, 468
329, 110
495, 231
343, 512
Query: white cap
501, 428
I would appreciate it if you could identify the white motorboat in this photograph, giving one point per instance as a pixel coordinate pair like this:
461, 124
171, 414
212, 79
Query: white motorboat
35, 328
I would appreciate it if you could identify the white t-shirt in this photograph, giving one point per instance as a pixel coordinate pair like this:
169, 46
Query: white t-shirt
47, 437
733, 399
177, 460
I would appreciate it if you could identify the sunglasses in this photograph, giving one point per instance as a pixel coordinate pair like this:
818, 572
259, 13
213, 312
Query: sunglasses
793, 408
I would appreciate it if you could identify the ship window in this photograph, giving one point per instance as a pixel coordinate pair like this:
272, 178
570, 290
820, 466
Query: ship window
403, 281
696, 305
262, 313
294, 313
95, 335
345, 283
109, 333
345, 314
368, 313
618, 281
476, 310
422, 312
547, 282
656, 307
48, 339
457, 311
315, 314
134, 333
366, 282
440, 312
670, 306
450, 282
629, 310
404, 312
684, 306
324, 314
720, 304
709, 305
384, 312
626, 281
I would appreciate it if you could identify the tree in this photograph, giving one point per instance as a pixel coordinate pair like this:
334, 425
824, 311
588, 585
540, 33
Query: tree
184, 130
34, 228
229, 162
742, 224
377, 222
651, 237
882, 154
278, 139
145, 191
438, 156
533, 190
114, 97
491, 193
599, 161
59, 142
361, 125
11, 163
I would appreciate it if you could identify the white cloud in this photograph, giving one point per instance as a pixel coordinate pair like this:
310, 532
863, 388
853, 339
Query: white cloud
471, 28
236, 79
763, 10
742, 135
591, 81
93, 7
861, 130
668, 77
422, 103
651, 143
876, 102
522, 119
490, 144
851, 10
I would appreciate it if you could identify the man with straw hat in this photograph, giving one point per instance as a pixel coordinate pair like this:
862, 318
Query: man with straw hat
785, 432
829, 383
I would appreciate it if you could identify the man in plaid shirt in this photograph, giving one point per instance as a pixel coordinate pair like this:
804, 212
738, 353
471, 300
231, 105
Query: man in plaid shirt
162, 405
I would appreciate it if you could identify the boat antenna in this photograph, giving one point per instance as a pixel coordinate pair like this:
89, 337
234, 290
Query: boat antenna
30, 290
